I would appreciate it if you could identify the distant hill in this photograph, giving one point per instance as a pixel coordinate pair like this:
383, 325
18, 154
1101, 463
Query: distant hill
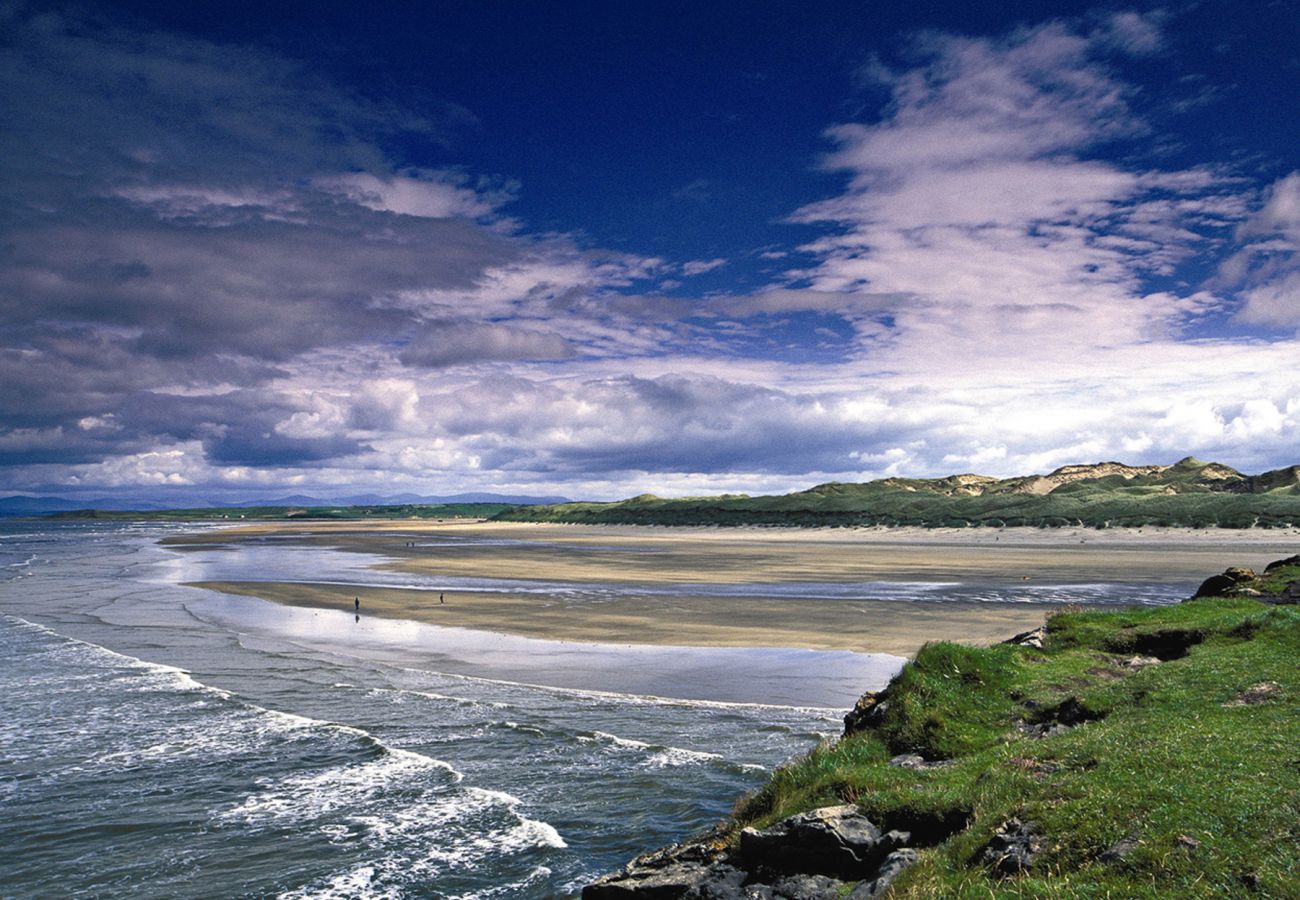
18, 505
1189, 493
295, 512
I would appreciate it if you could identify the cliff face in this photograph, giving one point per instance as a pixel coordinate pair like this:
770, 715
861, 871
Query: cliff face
1094, 756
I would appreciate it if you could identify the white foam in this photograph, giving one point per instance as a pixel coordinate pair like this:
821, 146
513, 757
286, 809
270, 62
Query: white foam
343, 787
672, 757
356, 882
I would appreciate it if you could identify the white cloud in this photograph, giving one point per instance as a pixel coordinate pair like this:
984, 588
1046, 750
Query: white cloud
1267, 268
426, 194
700, 266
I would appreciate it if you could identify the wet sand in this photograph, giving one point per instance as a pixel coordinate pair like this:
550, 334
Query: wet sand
875, 627
631, 555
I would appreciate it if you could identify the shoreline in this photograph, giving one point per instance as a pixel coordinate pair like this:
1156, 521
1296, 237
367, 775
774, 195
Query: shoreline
692, 560
896, 628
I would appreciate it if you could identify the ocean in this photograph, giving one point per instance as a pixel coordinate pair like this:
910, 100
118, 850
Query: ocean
164, 741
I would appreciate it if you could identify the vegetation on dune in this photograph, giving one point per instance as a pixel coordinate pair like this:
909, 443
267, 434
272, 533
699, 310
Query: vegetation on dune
404, 511
1189, 493
1156, 752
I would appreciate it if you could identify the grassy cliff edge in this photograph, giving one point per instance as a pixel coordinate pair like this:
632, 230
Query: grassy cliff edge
1150, 752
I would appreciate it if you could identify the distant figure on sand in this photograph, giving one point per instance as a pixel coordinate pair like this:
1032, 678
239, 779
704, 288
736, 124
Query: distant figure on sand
356, 604
440, 600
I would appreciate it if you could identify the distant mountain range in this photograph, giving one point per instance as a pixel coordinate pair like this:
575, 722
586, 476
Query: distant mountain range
18, 505
1188, 493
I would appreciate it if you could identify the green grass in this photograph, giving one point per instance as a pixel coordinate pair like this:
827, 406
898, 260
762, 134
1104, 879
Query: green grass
1170, 758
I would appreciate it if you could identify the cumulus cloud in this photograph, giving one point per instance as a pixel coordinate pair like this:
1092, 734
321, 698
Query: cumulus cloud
253, 294
976, 196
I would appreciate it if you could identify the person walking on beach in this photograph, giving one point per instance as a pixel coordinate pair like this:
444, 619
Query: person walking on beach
356, 604
440, 599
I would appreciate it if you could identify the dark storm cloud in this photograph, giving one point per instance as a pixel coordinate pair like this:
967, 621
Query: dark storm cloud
267, 290
235, 428
674, 423
96, 106
165, 238
440, 344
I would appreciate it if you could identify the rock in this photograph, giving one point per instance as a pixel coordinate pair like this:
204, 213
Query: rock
1280, 563
1013, 847
868, 712
1289, 596
681, 871
1065, 715
890, 869
918, 762
833, 840
1036, 638
1187, 842
796, 887
1138, 663
1223, 585
1119, 850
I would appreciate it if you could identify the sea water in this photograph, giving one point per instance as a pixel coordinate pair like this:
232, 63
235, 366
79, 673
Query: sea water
164, 741
159, 740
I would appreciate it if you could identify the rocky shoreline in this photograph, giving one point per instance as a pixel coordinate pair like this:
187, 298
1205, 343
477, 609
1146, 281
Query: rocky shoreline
816, 854
836, 851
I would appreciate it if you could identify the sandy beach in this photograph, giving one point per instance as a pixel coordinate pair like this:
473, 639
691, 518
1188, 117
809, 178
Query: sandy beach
698, 558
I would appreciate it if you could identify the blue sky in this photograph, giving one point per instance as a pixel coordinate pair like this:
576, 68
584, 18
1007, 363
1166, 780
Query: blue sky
598, 249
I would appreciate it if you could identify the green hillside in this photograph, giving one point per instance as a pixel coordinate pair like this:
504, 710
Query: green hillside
1190, 493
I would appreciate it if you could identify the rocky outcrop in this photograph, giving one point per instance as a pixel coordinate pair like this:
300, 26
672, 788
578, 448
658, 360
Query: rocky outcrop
868, 712
695, 870
1224, 585
1012, 848
833, 840
1241, 582
1289, 596
809, 856
1281, 564
1035, 638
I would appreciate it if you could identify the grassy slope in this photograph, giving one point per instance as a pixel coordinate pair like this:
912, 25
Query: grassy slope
1179, 496
407, 511
1172, 757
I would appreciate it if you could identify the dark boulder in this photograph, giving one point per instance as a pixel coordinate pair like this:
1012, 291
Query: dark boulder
1224, 585
1289, 595
796, 887
1012, 848
834, 840
692, 871
1282, 563
1035, 638
868, 712
890, 869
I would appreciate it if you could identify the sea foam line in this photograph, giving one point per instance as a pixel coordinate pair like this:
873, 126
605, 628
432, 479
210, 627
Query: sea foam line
183, 680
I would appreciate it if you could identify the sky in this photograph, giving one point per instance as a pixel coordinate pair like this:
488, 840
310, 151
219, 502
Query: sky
599, 249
